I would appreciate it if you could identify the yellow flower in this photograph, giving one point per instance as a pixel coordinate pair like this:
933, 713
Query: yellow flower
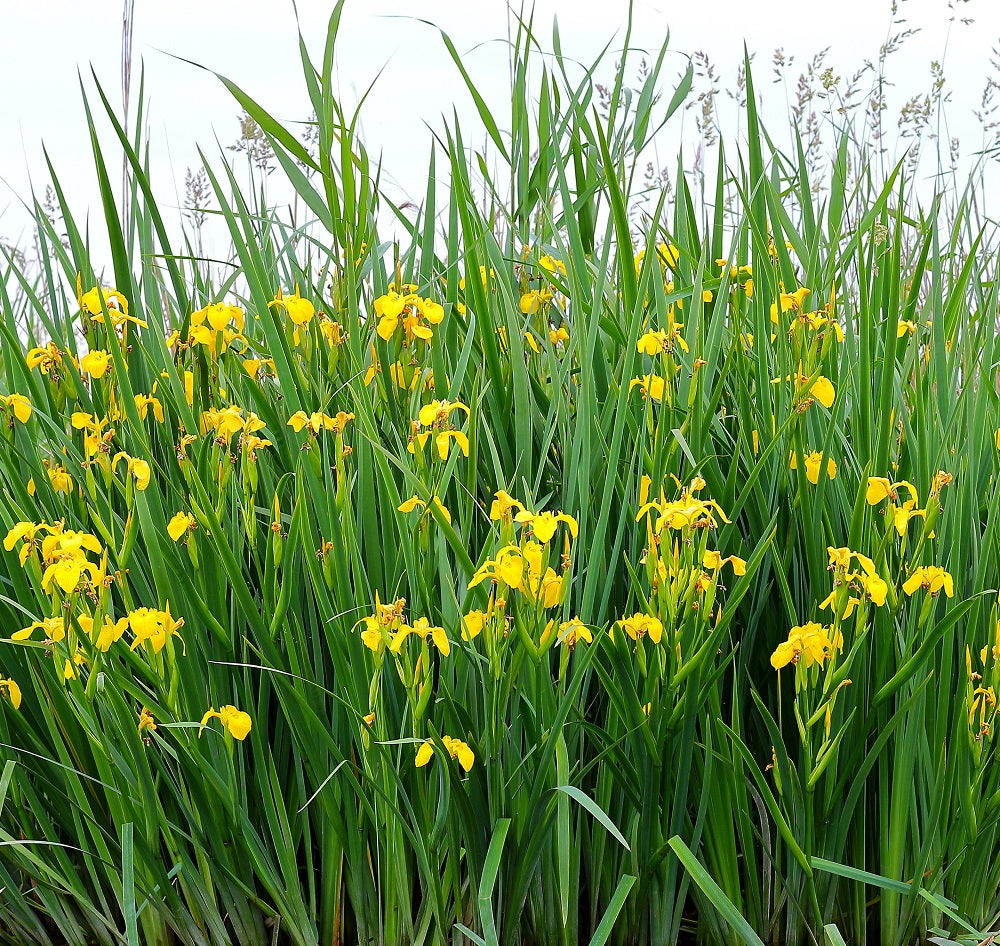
542, 588
714, 561
544, 524
551, 264
534, 299
152, 626
640, 625
68, 567
318, 421
423, 629
455, 748
179, 524
146, 721
821, 388
96, 363
52, 629
686, 512
813, 461
224, 422
474, 622
503, 506
45, 359
235, 720
90, 301
12, 691
507, 567
18, 405
436, 414
95, 436
300, 311
409, 310
144, 402
903, 326
789, 301
414, 501
61, 481
651, 385
880, 488
931, 577
573, 631
441, 440
140, 469
653, 343
109, 633
386, 619
211, 327
810, 641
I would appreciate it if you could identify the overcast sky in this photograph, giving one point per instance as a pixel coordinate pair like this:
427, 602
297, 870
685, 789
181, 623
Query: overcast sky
43, 44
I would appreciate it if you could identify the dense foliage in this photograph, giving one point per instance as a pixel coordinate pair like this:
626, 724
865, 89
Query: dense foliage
557, 574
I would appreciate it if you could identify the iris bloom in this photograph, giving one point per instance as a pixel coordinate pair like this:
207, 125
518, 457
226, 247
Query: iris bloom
211, 327
640, 625
146, 721
67, 564
45, 359
688, 511
544, 524
152, 626
318, 421
12, 691
879, 488
813, 462
474, 622
867, 580
60, 479
424, 630
143, 402
573, 631
503, 506
408, 310
507, 567
94, 435
52, 629
441, 441
714, 561
544, 588
18, 405
651, 385
790, 301
180, 524
224, 422
414, 501
300, 311
809, 642
95, 363
235, 720
933, 578
140, 469
454, 747
380, 626
819, 387
110, 632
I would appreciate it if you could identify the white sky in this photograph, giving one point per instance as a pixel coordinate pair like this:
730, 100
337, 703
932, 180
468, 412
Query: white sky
253, 42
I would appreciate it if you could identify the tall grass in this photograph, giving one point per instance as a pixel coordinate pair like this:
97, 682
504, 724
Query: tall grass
447, 741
